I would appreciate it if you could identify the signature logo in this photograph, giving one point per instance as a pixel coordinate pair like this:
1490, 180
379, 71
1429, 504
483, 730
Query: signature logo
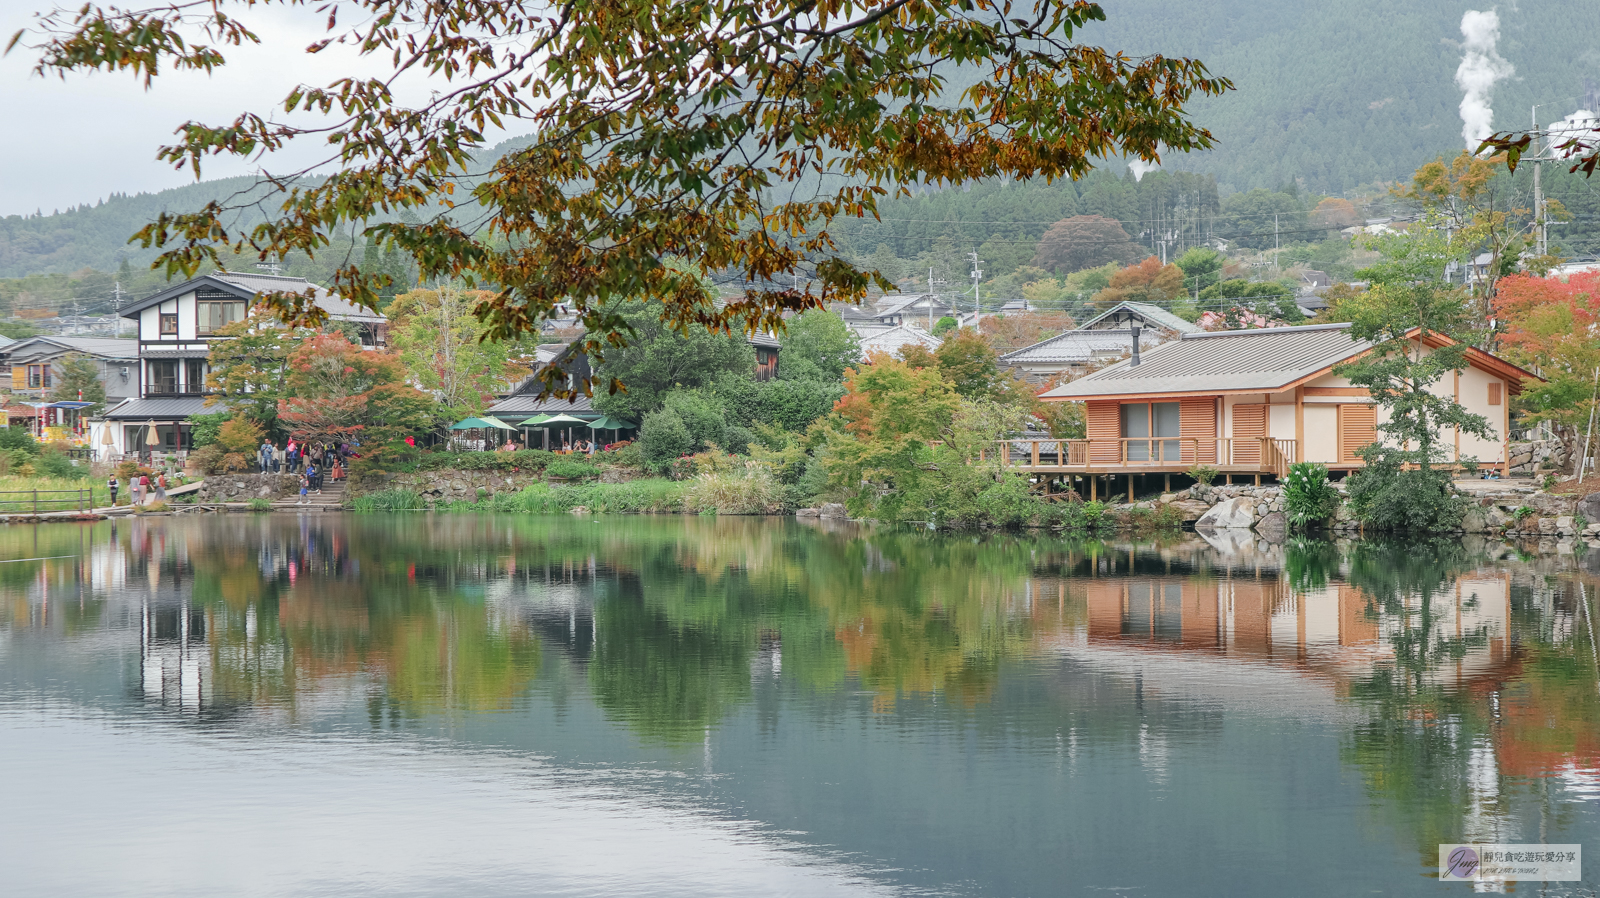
1463, 863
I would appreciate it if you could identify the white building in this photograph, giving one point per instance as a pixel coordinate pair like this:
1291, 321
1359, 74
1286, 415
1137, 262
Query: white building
176, 327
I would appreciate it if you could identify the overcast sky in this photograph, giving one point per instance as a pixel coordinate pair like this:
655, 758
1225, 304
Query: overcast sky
72, 142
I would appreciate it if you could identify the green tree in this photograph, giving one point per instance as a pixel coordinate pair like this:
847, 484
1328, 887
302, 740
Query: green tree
249, 368
78, 379
818, 345
1202, 267
444, 348
1401, 487
17, 329
968, 363
660, 358
634, 164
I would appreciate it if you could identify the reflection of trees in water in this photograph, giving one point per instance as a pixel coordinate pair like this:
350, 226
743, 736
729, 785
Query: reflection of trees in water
1449, 755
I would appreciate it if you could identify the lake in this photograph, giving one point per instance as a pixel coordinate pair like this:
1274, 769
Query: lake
491, 705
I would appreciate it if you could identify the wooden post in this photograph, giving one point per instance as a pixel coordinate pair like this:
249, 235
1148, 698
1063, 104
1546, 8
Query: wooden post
35, 501
1167, 484
1036, 453
1258, 480
1091, 487
1130, 487
1228, 479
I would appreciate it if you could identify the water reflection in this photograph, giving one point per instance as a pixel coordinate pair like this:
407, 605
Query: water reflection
1456, 686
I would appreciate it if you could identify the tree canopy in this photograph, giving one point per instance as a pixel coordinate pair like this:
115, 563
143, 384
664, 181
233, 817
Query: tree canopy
1085, 241
660, 130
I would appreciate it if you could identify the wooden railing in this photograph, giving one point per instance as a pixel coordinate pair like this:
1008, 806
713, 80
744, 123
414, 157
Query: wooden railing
36, 501
1262, 454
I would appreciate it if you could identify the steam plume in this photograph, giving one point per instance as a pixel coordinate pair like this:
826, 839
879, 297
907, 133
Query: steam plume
1481, 67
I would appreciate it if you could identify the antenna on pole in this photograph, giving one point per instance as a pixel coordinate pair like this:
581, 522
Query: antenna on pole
273, 266
933, 285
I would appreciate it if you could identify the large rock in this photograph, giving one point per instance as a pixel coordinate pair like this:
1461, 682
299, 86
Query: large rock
834, 510
1589, 507
1190, 509
1474, 521
1273, 527
1230, 514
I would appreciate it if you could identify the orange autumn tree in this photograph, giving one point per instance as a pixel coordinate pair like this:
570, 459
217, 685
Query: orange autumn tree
339, 391
1550, 326
1149, 282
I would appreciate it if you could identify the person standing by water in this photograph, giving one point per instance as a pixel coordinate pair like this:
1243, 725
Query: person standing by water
305, 484
113, 484
161, 486
264, 455
141, 488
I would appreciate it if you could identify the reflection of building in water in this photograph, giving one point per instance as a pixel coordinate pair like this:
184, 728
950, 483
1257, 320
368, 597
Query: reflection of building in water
174, 658
1336, 630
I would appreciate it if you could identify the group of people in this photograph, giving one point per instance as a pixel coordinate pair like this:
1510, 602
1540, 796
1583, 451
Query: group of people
311, 460
141, 485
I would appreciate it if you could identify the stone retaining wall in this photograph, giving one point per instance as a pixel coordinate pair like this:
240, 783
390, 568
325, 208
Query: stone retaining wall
244, 487
1528, 459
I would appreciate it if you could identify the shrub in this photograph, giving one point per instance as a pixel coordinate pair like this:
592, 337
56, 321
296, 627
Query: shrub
53, 462
259, 504
206, 429
1385, 495
1308, 497
1163, 519
751, 491
571, 469
633, 497
398, 499
664, 437
1203, 474
628, 455
18, 439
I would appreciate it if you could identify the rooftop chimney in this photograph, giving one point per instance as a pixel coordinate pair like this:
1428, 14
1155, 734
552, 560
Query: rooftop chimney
1135, 362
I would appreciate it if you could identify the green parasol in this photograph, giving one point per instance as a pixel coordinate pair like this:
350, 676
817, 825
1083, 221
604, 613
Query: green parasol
470, 424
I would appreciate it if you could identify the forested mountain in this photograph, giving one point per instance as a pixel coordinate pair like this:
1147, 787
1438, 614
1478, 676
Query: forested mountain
1339, 95
1330, 99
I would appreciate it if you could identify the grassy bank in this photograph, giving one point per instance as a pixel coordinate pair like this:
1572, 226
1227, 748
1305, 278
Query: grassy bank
653, 496
19, 488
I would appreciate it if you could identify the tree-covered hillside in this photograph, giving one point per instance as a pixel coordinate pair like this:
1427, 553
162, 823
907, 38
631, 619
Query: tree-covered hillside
1330, 99
1343, 94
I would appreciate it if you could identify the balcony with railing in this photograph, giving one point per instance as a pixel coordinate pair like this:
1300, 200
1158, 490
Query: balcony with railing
1247, 455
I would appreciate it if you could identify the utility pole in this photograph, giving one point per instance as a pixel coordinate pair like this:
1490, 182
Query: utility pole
116, 308
1539, 232
933, 284
977, 277
1277, 246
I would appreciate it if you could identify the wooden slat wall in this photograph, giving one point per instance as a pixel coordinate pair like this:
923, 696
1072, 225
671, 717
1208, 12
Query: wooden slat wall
1358, 427
1249, 423
1197, 420
19, 377
1103, 424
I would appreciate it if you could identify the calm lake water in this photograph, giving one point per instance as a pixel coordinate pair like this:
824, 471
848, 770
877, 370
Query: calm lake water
482, 705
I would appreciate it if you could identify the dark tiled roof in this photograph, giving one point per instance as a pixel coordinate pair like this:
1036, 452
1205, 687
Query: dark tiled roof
160, 409
533, 404
1267, 359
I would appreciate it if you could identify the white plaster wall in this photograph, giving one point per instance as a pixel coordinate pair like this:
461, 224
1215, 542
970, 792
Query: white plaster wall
1280, 419
1322, 432
150, 324
188, 316
1475, 396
